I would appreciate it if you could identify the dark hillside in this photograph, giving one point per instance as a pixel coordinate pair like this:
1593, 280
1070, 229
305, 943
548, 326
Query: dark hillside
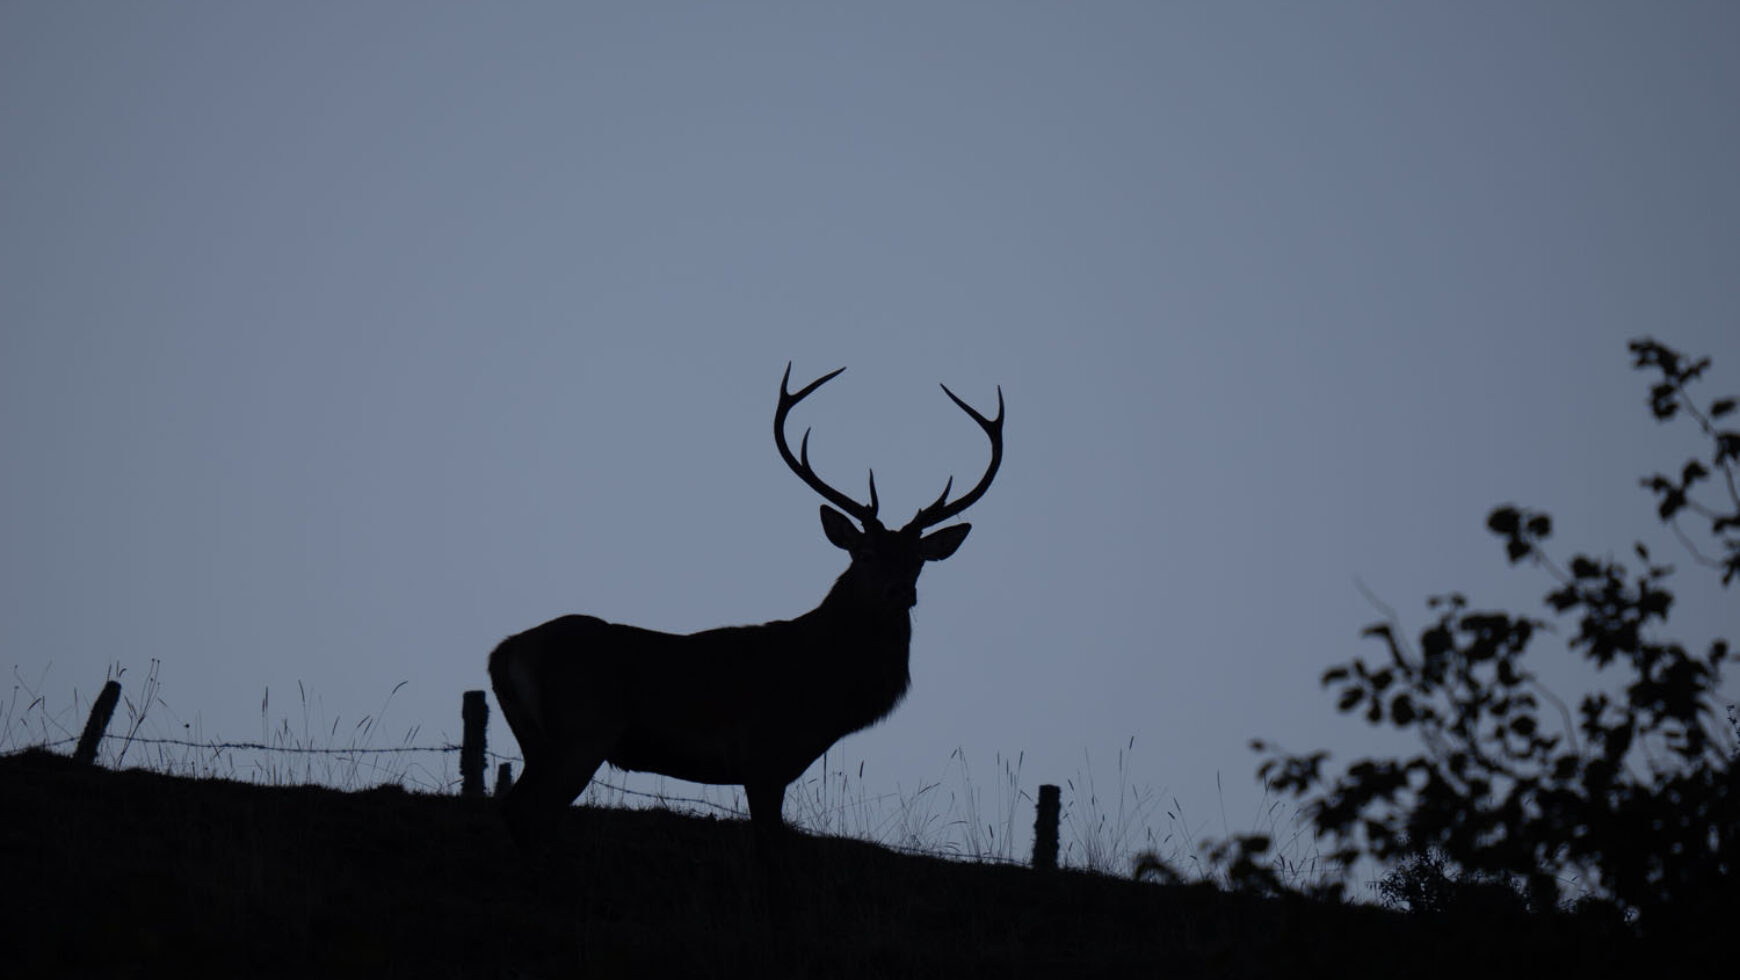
134, 873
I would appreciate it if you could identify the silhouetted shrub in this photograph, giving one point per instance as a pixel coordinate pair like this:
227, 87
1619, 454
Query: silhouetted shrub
1427, 883
1635, 797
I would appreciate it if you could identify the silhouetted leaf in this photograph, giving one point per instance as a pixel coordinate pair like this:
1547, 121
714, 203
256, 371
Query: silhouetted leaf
1507, 674
1540, 525
1503, 520
1402, 709
1672, 499
1662, 401
1654, 602
1721, 407
1517, 550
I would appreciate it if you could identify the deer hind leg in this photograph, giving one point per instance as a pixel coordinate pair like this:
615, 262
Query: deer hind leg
551, 781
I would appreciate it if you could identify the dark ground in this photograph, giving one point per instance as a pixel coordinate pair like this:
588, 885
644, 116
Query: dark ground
133, 873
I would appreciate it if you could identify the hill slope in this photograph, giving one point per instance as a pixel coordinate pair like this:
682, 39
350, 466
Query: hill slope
107, 872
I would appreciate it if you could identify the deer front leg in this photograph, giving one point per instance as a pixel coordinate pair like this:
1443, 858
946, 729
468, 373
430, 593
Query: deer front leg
773, 849
766, 801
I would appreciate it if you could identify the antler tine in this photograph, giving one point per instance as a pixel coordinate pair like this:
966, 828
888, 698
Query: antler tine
800, 464
940, 510
941, 498
804, 458
787, 400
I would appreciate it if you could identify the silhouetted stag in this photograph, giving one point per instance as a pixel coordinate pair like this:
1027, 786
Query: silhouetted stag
748, 705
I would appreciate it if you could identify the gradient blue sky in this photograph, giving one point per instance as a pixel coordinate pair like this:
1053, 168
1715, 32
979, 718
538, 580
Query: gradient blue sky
340, 340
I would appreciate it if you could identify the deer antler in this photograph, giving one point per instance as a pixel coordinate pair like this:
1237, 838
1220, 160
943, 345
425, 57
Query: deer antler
941, 510
800, 464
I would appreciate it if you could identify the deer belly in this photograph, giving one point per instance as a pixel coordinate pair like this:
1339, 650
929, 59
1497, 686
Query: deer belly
696, 758
731, 757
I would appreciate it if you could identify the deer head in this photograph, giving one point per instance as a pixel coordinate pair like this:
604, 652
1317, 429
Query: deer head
885, 563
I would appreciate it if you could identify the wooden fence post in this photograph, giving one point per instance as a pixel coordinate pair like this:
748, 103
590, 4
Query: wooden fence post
504, 779
1045, 829
97, 723
475, 713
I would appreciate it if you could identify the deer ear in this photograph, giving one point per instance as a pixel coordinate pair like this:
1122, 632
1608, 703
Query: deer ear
936, 547
840, 529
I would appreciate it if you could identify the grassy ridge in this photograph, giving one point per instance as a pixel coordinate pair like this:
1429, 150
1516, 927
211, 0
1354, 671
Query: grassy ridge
107, 872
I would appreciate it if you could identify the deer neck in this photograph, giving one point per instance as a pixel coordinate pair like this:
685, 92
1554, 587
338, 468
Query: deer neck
870, 650
875, 624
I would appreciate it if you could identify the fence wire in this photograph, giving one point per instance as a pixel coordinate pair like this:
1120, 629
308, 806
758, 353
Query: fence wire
248, 746
496, 758
602, 792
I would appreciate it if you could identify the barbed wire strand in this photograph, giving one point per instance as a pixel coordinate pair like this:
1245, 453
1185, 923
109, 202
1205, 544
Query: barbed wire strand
661, 798
361, 750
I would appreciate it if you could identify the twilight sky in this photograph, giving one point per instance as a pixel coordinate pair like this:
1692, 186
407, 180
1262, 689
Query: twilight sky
340, 340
